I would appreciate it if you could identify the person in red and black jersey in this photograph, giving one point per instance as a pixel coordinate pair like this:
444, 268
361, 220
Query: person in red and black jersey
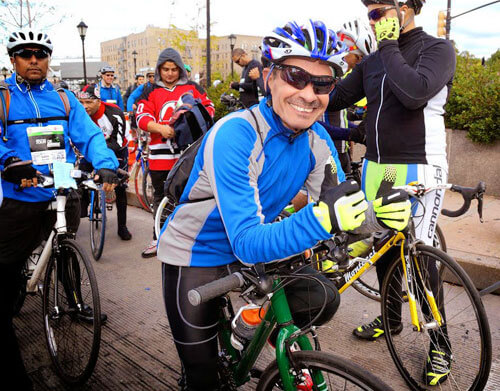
109, 117
154, 110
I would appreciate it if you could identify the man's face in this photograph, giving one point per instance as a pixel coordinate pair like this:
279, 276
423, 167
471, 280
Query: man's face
169, 73
28, 66
240, 60
140, 80
151, 77
91, 105
108, 78
298, 109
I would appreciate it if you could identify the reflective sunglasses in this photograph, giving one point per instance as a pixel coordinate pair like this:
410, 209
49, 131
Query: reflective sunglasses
299, 78
379, 13
28, 53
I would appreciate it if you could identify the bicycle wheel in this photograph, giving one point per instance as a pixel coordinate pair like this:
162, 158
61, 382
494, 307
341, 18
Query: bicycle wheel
71, 313
165, 208
138, 187
147, 189
97, 218
368, 284
464, 332
338, 374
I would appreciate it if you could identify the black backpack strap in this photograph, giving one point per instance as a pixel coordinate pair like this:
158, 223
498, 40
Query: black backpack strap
4, 107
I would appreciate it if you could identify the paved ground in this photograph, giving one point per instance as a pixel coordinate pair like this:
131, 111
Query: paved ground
136, 350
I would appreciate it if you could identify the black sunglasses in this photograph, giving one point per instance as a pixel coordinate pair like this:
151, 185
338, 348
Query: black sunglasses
28, 53
299, 78
379, 13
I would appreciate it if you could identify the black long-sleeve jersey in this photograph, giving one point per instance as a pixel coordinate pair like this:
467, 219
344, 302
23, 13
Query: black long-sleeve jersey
407, 83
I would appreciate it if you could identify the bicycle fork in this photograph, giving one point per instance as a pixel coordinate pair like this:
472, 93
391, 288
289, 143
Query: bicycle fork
410, 282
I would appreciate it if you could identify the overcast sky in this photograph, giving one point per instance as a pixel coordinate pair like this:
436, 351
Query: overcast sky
477, 32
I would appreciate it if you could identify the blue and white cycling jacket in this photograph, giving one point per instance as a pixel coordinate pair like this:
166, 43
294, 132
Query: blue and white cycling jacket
245, 182
111, 95
42, 101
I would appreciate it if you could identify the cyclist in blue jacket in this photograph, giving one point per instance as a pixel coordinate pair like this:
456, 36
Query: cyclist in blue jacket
248, 168
110, 93
36, 107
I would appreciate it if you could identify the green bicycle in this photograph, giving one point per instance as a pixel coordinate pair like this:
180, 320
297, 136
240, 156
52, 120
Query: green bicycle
292, 369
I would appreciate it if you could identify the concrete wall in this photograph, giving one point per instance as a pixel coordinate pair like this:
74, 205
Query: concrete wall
469, 162
472, 162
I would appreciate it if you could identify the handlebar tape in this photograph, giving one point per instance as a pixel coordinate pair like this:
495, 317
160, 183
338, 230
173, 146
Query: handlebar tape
215, 289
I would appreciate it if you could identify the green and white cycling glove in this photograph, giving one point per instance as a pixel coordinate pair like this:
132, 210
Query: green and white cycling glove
393, 209
387, 29
341, 208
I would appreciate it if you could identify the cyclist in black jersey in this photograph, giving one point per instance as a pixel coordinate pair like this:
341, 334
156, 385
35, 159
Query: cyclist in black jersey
406, 83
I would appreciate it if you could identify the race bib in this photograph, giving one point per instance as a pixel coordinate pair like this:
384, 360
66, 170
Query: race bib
46, 144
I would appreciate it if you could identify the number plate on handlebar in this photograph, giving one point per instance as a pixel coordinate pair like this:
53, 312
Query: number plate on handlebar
63, 178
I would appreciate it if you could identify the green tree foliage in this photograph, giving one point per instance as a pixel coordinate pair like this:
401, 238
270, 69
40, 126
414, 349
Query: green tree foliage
474, 103
214, 93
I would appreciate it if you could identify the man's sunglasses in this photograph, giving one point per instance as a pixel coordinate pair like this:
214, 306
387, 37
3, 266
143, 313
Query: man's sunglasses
379, 13
28, 53
299, 78
151, 75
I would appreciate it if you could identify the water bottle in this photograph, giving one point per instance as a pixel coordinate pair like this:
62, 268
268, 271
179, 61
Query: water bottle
244, 325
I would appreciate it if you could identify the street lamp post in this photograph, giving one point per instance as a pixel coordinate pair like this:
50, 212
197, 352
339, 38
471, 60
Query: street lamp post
82, 30
134, 54
232, 39
4, 73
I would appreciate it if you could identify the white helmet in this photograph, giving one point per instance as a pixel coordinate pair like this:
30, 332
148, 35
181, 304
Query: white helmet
28, 37
106, 69
358, 36
314, 40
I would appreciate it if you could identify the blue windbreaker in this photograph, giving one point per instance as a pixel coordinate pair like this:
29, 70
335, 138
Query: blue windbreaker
111, 95
246, 183
136, 94
42, 101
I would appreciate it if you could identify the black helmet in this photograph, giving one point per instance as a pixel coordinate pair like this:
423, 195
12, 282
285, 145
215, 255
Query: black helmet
415, 4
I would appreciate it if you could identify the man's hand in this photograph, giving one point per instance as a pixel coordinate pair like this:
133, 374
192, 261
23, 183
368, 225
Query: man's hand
235, 85
393, 209
167, 131
341, 208
387, 29
358, 134
19, 172
254, 73
107, 177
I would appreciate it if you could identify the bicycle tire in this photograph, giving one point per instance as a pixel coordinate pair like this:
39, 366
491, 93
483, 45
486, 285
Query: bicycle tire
465, 331
335, 367
147, 189
162, 212
73, 344
138, 187
97, 219
368, 284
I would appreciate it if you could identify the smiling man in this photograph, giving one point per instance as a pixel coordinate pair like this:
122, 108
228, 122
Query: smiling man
248, 168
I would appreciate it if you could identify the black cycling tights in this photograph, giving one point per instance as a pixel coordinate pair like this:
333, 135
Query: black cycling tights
194, 329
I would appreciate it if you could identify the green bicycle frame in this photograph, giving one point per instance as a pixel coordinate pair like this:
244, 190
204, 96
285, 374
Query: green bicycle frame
278, 312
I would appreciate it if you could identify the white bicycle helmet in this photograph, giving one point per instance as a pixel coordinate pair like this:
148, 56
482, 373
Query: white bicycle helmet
28, 37
106, 69
358, 37
314, 40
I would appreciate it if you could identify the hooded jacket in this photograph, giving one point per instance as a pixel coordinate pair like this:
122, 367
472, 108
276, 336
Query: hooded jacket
157, 104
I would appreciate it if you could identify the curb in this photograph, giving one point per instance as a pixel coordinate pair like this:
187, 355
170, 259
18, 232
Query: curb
483, 270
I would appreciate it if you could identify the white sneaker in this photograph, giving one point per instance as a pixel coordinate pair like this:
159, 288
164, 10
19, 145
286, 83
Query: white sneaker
150, 250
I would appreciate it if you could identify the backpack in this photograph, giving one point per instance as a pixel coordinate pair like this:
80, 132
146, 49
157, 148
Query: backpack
5, 106
179, 174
